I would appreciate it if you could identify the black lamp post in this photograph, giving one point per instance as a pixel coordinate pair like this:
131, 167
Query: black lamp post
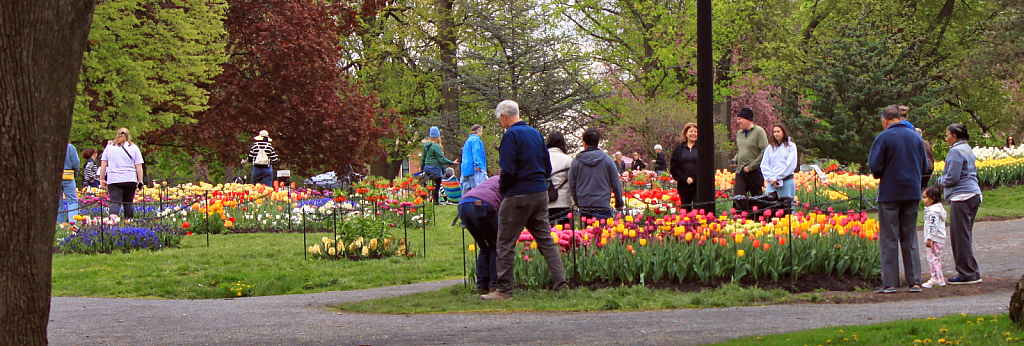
705, 110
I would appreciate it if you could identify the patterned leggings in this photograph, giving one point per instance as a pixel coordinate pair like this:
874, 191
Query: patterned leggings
935, 261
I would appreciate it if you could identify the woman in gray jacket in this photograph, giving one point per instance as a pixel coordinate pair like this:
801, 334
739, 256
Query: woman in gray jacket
960, 185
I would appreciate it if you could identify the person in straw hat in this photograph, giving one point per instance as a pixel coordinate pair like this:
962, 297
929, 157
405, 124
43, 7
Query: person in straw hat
262, 155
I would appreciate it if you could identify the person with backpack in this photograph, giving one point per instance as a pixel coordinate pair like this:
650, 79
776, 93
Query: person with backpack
262, 156
558, 208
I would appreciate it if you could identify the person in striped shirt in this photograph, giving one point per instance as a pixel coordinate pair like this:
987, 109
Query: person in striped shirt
262, 155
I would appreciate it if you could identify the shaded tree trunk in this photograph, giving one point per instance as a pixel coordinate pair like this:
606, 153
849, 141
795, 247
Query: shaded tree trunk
447, 44
41, 45
1016, 309
385, 169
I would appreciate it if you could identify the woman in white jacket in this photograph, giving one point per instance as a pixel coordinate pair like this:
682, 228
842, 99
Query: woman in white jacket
558, 209
779, 162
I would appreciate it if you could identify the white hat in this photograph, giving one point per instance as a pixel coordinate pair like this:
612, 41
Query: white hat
263, 135
657, 147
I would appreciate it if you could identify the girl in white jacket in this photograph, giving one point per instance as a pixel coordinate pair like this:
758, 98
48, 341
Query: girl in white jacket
779, 162
934, 233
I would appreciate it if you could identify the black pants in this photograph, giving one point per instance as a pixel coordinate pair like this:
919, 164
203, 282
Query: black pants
437, 191
559, 216
749, 183
482, 223
961, 229
122, 194
686, 194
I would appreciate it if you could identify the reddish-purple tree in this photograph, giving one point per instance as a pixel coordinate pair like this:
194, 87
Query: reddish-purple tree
283, 76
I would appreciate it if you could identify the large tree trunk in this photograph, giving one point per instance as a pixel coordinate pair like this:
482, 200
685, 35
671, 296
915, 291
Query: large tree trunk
1017, 304
41, 45
383, 168
447, 44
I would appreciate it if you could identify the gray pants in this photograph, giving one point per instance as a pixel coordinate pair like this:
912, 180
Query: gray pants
530, 211
897, 232
961, 226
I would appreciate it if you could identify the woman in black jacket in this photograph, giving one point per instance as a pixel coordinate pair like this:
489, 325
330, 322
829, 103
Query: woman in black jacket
684, 165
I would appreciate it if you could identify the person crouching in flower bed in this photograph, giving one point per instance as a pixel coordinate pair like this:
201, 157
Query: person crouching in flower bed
478, 210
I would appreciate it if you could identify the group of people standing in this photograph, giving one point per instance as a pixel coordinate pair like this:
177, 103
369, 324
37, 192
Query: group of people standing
760, 160
899, 158
120, 172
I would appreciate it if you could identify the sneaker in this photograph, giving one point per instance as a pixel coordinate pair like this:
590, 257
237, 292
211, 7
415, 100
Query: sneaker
496, 296
885, 289
961, 281
933, 283
915, 289
482, 291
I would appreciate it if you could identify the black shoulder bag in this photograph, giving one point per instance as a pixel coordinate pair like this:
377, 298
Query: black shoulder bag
552, 189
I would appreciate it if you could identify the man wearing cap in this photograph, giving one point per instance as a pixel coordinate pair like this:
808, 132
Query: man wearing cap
525, 168
474, 160
261, 156
659, 160
751, 140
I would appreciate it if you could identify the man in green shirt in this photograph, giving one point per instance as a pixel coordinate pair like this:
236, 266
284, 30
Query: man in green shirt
751, 141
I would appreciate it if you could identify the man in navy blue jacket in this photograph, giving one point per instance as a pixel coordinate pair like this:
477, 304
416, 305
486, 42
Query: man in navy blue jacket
897, 158
525, 168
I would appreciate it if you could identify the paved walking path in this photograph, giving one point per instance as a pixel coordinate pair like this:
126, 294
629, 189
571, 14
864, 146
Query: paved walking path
301, 319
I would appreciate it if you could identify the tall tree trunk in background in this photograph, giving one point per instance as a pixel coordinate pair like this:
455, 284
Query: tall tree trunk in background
383, 168
447, 43
41, 45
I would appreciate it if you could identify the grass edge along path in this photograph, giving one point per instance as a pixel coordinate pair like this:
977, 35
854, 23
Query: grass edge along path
625, 298
957, 329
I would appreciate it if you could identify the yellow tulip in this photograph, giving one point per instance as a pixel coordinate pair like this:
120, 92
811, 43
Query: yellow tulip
643, 241
472, 248
533, 245
740, 253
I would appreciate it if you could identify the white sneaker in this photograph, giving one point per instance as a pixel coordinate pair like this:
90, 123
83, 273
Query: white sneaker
932, 282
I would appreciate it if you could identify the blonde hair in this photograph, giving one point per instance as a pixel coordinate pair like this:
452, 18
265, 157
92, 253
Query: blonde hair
904, 110
436, 140
682, 136
122, 137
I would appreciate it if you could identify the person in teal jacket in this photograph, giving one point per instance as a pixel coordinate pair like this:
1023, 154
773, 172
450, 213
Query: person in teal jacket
474, 160
433, 161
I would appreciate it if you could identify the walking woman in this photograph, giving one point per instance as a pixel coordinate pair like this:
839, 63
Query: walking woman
960, 186
683, 165
433, 161
121, 173
262, 156
779, 162
558, 210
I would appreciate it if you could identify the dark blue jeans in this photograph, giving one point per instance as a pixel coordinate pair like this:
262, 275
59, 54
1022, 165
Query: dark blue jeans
263, 175
482, 223
600, 213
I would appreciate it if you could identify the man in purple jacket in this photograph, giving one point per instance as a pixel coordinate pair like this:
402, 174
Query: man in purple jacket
478, 210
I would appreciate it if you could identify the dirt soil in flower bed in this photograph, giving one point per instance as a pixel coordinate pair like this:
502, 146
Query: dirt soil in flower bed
804, 283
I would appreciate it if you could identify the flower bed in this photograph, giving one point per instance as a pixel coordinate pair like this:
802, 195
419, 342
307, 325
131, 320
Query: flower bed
91, 236
703, 247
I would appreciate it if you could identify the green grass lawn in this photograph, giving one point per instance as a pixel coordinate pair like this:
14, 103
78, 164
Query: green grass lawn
271, 264
1003, 202
949, 330
460, 299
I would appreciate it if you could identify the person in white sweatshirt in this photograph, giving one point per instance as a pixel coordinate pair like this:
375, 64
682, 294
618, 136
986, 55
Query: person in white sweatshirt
934, 233
558, 210
779, 162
